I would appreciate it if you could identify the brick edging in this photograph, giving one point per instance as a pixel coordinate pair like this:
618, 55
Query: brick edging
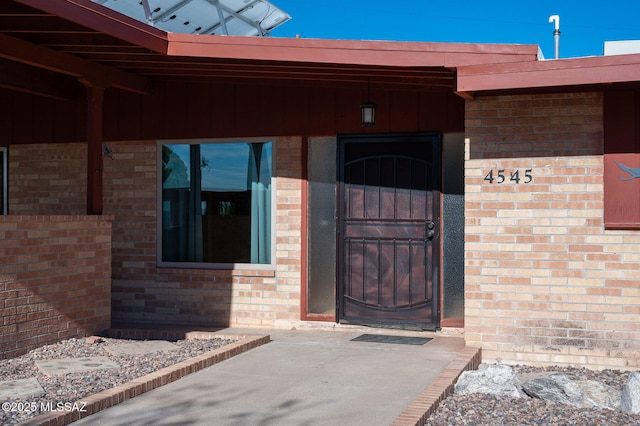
110, 397
426, 403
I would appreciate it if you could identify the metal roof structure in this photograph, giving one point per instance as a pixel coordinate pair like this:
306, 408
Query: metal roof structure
46, 47
214, 17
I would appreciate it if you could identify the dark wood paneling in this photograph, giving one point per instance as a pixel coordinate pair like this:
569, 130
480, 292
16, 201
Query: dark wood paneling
6, 117
259, 110
25, 118
455, 113
200, 109
70, 120
222, 116
347, 111
200, 120
296, 110
321, 100
620, 122
403, 107
128, 120
151, 116
43, 120
622, 160
22, 112
433, 111
39, 82
176, 110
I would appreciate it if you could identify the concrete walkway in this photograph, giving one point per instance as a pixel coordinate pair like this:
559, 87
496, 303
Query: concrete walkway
305, 377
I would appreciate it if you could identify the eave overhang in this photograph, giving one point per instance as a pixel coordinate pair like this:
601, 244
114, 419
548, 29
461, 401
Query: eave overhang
562, 74
84, 40
104, 20
348, 52
136, 52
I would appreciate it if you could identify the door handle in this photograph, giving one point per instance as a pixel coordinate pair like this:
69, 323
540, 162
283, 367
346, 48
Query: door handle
431, 230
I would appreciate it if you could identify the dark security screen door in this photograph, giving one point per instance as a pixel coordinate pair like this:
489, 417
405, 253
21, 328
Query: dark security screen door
388, 241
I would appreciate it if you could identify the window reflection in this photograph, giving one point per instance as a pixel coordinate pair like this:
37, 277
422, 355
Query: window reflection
216, 202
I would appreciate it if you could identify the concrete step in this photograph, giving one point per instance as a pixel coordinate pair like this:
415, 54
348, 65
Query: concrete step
75, 365
22, 388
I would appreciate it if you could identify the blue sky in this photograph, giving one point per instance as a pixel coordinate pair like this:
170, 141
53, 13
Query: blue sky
584, 25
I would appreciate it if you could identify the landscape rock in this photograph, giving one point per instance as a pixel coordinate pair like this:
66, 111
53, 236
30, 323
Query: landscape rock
92, 340
486, 409
64, 388
573, 391
630, 399
495, 380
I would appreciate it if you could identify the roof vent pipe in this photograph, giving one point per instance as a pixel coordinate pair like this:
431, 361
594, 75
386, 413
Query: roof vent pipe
556, 34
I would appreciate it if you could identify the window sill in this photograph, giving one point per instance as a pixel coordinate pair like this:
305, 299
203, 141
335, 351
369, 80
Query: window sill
254, 271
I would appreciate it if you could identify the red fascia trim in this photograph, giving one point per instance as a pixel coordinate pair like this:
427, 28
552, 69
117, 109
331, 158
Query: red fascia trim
550, 73
103, 19
352, 52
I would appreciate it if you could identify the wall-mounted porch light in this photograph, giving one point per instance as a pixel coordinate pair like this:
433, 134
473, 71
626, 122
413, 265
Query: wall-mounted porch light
368, 110
368, 114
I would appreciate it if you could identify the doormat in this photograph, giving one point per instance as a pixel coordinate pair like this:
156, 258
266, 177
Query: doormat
399, 340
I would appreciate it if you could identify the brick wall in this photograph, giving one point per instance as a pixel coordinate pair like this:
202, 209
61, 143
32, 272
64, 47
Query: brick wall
130, 197
288, 230
544, 282
145, 294
48, 179
54, 279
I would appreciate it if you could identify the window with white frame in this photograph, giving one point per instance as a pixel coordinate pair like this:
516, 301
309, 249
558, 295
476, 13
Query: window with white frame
3, 180
215, 203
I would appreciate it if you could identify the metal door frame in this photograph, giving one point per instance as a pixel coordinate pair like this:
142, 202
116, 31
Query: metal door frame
436, 139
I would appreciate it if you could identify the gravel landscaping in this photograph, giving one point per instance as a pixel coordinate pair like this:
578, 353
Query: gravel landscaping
67, 388
491, 410
467, 410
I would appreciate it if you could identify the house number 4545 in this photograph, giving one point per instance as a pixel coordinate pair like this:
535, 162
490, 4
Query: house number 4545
501, 176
